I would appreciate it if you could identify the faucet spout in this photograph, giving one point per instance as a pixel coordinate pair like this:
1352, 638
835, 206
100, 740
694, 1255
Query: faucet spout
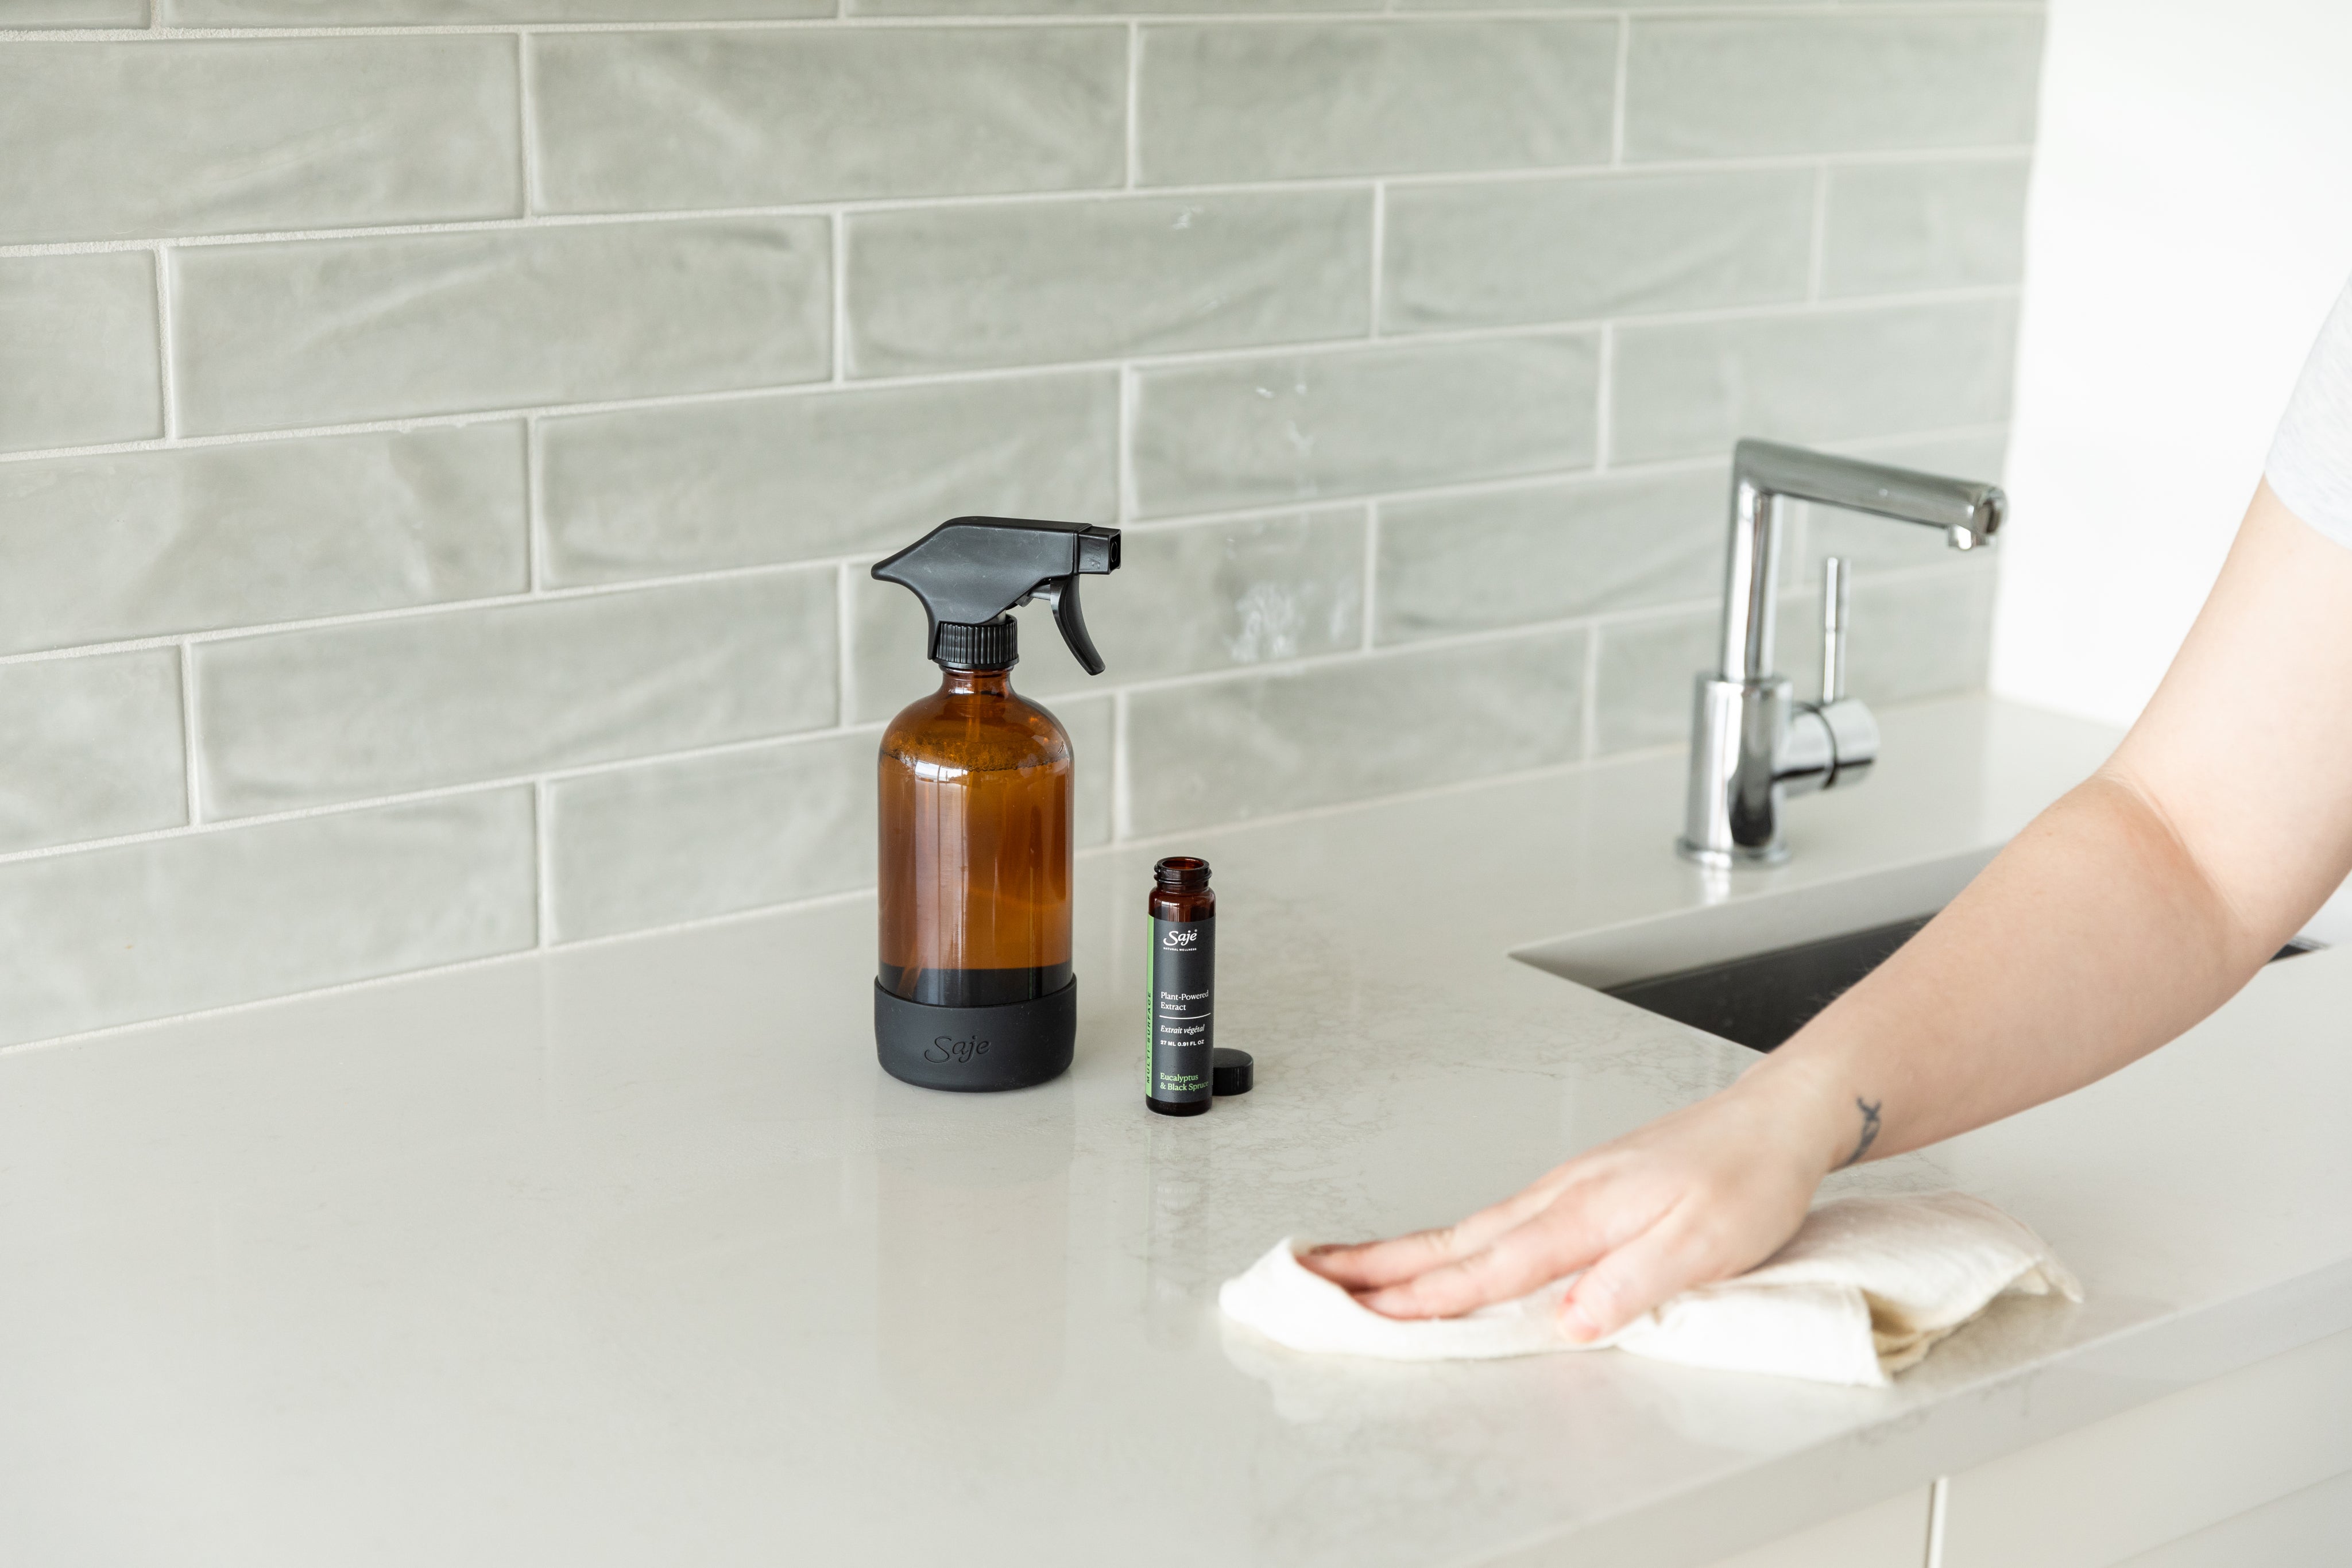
1764, 472
1750, 742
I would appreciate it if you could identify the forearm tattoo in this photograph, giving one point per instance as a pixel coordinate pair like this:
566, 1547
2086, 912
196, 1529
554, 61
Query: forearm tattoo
1869, 1110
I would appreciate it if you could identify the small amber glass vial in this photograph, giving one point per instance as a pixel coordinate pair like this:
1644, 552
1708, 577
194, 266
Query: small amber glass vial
1181, 989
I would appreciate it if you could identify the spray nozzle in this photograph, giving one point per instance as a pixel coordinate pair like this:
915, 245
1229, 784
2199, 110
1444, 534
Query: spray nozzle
969, 571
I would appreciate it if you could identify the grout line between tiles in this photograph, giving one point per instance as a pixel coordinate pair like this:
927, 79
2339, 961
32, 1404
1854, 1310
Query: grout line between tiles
724, 574
1123, 460
190, 746
1122, 814
1604, 400
820, 901
1285, 669
840, 281
1134, 105
534, 523
1506, 485
1371, 574
1379, 250
547, 776
527, 131
427, 612
821, 207
1239, 354
1400, 797
232, 1010
834, 22
844, 685
1817, 261
542, 867
1139, 842
166, 369
1617, 104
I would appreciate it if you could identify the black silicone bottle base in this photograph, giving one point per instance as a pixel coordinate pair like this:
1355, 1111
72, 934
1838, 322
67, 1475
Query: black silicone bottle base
976, 1049
1178, 1107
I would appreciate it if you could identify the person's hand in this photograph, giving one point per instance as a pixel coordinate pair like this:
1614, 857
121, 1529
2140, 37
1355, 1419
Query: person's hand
1698, 1196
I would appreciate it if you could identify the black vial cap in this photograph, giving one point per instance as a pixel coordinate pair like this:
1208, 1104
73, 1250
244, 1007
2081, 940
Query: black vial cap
1231, 1072
990, 645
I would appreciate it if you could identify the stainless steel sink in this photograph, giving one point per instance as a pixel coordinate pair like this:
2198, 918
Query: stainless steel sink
1756, 970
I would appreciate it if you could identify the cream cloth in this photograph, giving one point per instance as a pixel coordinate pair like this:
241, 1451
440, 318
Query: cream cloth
1863, 1290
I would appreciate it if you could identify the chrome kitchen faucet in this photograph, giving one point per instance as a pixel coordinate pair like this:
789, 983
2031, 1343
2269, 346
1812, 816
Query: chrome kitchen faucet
1751, 743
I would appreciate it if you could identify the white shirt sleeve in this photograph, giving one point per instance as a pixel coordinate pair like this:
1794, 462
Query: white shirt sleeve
2310, 465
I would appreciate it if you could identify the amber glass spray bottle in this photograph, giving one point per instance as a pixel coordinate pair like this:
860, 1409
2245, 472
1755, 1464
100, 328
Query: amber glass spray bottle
974, 989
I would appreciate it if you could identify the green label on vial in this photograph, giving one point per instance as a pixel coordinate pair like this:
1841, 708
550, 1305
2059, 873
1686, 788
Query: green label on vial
1179, 985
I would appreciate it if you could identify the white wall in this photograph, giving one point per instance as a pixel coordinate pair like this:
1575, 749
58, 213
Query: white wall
2189, 224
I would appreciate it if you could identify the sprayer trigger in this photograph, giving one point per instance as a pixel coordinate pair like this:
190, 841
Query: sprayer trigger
1062, 593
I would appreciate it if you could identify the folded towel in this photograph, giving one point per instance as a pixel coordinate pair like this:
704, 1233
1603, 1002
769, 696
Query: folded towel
1864, 1290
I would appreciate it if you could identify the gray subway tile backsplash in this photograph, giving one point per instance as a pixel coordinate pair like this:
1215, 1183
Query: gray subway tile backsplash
1914, 634
1895, 227
93, 748
1553, 552
198, 538
1643, 676
1092, 725
216, 136
1732, 86
79, 360
1918, 634
711, 835
1922, 634
1691, 389
1287, 100
958, 288
1323, 733
638, 121
756, 481
170, 925
1506, 253
378, 13
743, 829
670, 841
1303, 427
1077, 7
347, 713
545, 375
1186, 600
887, 666
73, 13
325, 331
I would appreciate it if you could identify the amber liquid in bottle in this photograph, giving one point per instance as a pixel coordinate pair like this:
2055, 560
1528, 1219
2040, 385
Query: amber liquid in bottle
975, 872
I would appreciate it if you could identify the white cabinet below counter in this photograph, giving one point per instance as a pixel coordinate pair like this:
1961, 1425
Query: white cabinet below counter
2254, 1468
1890, 1534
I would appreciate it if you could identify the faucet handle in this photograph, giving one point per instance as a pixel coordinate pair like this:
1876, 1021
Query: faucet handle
1837, 608
1847, 725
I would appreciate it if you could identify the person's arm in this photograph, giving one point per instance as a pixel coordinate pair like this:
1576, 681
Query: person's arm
2123, 914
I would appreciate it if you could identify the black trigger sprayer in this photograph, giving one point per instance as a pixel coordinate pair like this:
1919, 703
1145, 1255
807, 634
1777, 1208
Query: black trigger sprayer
974, 988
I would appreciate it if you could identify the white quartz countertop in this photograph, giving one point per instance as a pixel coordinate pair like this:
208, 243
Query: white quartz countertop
628, 1254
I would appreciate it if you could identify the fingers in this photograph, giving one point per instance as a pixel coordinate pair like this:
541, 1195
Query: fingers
1576, 1227
1668, 1257
1371, 1265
